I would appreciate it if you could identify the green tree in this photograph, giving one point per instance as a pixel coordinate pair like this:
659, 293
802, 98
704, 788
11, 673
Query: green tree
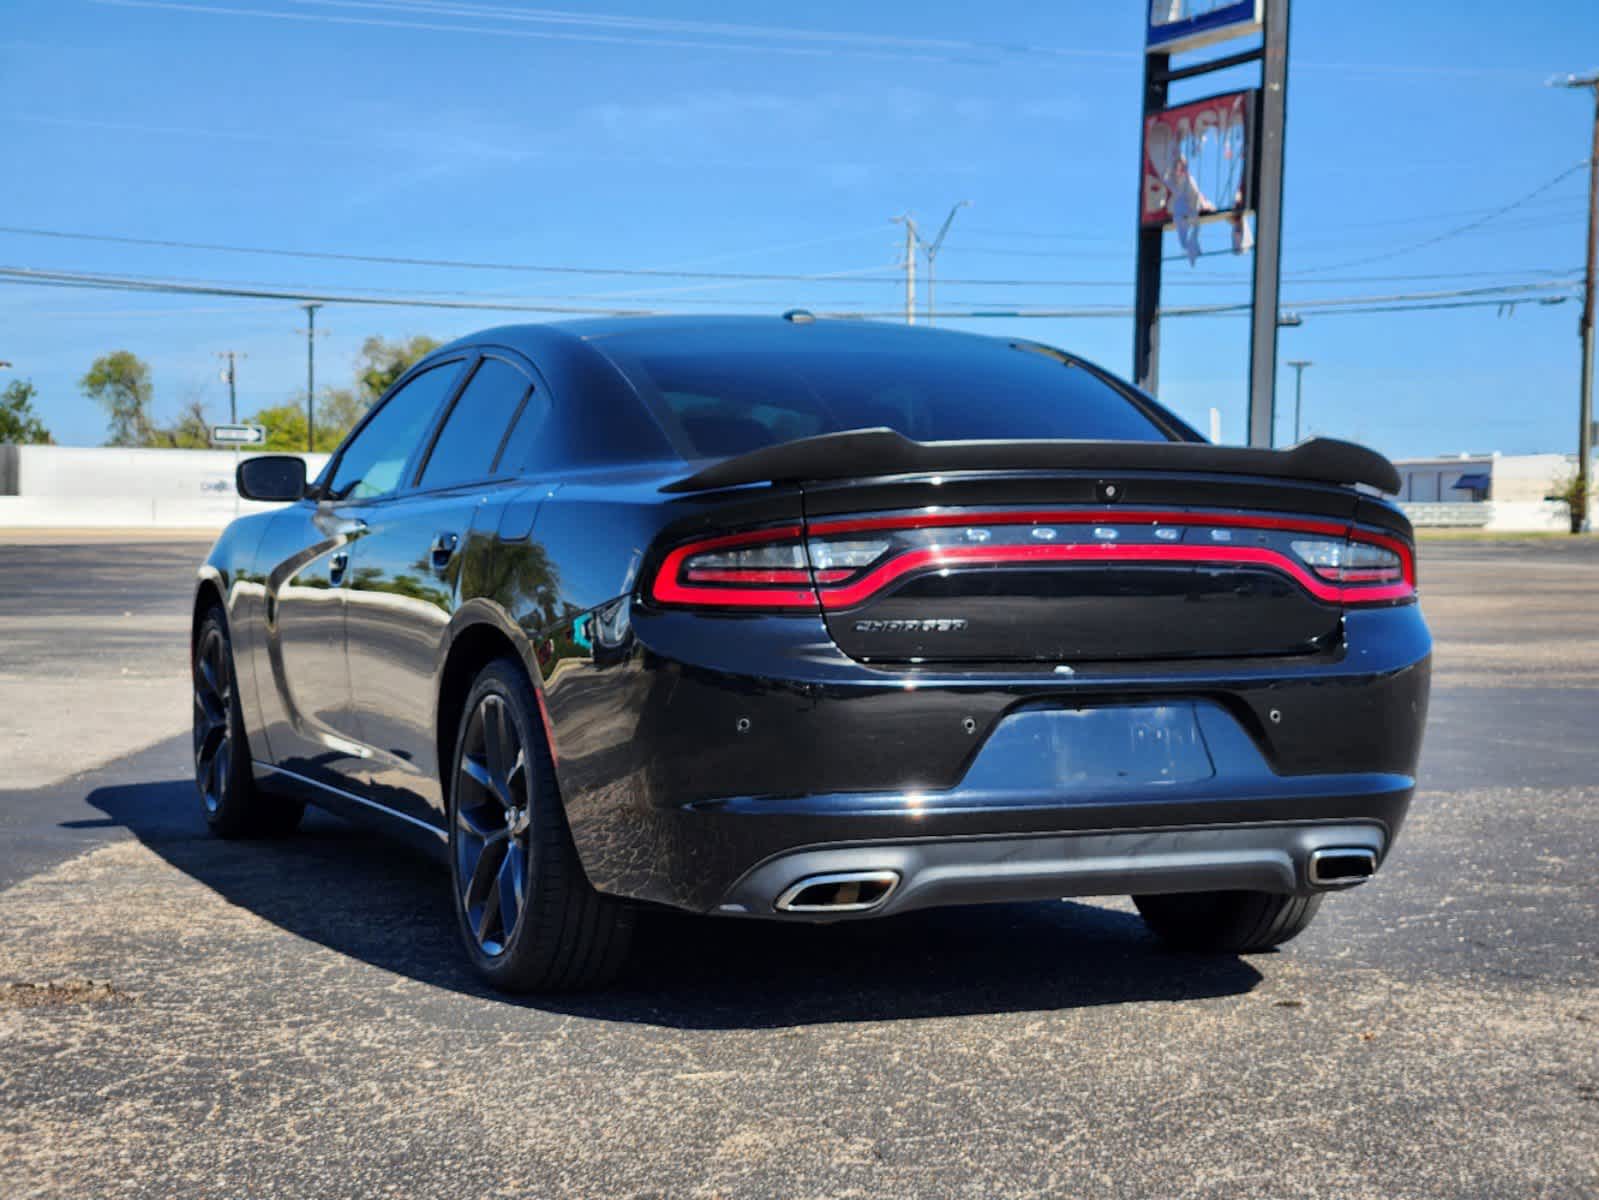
192, 429
1569, 488
336, 414
19, 424
338, 409
383, 361
285, 427
119, 382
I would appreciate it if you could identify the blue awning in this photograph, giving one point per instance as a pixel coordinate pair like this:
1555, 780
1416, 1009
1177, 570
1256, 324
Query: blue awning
1477, 481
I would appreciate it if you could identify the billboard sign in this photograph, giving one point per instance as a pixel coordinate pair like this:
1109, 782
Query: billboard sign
1177, 25
1197, 160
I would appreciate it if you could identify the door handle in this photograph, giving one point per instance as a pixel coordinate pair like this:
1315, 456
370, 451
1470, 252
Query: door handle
442, 550
337, 566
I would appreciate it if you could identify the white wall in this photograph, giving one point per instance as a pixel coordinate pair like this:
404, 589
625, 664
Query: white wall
1516, 504
1528, 478
104, 486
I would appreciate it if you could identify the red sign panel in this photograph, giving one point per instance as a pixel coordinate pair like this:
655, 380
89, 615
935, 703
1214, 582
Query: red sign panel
1197, 160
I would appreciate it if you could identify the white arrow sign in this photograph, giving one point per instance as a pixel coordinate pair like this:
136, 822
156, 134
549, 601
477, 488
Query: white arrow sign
238, 435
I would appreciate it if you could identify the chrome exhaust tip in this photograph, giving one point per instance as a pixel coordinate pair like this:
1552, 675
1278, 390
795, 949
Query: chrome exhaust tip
1341, 866
844, 892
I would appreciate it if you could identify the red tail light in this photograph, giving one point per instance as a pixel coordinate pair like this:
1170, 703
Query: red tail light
843, 563
765, 568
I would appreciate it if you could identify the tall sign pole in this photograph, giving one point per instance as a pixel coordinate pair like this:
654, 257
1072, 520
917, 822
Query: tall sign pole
1146, 298
1180, 186
1271, 120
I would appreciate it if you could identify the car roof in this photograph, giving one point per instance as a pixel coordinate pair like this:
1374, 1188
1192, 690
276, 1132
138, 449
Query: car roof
749, 332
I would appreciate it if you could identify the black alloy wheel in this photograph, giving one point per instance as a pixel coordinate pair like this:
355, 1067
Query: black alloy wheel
213, 717
229, 800
529, 918
494, 790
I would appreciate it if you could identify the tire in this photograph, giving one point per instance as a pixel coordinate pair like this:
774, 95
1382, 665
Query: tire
510, 848
1227, 922
229, 800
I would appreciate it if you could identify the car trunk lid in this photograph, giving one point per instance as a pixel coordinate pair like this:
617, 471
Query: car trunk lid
1030, 567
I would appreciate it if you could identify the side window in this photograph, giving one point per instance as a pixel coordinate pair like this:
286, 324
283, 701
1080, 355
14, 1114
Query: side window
469, 443
372, 463
524, 449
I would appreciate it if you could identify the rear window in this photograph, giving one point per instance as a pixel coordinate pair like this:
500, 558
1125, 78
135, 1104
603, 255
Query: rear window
729, 401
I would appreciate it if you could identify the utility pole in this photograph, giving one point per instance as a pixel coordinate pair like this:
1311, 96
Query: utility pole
230, 376
310, 375
1585, 322
932, 253
911, 239
1299, 365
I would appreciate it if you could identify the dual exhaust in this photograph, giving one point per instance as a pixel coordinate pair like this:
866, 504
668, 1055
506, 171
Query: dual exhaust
863, 891
841, 892
1340, 866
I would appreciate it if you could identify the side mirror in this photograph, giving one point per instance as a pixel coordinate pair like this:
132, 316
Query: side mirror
276, 478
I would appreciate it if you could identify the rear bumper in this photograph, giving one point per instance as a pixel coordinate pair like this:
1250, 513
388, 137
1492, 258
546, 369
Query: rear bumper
927, 873
697, 753
1234, 830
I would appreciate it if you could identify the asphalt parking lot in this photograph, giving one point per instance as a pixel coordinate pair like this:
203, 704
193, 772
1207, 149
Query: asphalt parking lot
185, 1017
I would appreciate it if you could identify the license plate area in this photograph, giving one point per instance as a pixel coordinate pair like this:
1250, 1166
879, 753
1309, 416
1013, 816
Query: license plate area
1132, 745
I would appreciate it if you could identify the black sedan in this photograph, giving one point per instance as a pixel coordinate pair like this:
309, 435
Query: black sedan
811, 621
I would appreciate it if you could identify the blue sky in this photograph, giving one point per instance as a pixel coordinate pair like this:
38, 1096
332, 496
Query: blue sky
782, 139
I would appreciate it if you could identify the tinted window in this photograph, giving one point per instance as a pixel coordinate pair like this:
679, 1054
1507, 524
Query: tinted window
729, 400
524, 448
470, 440
372, 463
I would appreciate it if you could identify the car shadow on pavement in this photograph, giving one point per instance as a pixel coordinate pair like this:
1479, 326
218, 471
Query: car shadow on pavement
364, 896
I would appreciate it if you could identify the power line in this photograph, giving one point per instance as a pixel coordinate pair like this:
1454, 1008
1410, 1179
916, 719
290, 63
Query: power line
1492, 294
1460, 229
609, 29
1317, 231
402, 261
1019, 252
628, 29
867, 275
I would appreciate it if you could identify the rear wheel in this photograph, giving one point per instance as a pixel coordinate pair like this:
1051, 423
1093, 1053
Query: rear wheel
228, 798
528, 915
1227, 922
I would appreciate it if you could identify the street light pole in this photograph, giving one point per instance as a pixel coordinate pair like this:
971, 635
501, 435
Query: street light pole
1586, 320
1299, 365
932, 253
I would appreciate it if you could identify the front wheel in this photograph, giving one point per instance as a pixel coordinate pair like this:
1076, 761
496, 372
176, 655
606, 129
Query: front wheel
228, 798
1227, 922
528, 915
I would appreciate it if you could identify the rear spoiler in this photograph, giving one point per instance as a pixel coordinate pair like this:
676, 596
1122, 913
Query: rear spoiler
860, 453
